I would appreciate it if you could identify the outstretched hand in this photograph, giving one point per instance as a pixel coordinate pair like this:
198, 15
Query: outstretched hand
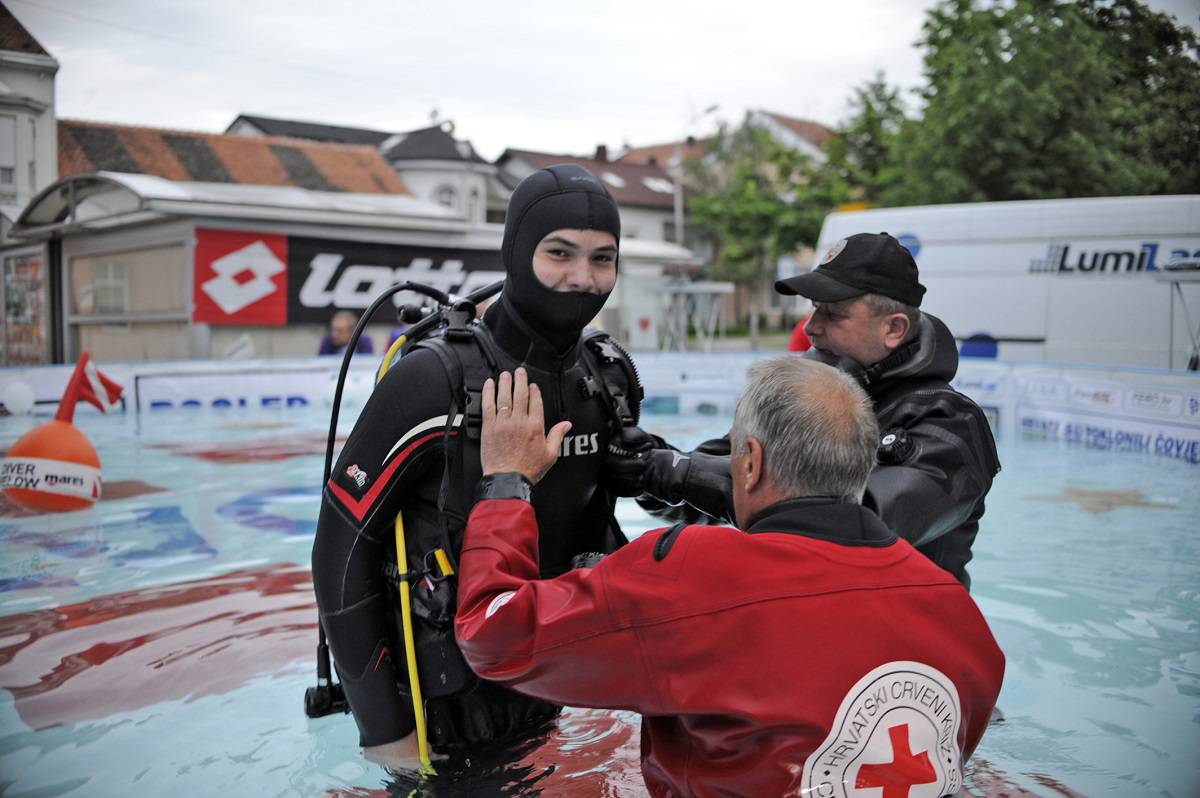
513, 428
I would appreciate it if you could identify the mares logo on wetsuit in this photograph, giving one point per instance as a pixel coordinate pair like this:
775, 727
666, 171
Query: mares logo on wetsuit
897, 727
358, 475
580, 444
355, 480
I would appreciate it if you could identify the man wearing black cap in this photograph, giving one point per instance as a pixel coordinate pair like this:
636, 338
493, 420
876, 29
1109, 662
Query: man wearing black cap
936, 456
415, 452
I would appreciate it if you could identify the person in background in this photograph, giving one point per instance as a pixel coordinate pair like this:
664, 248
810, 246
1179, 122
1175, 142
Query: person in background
341, 327
799, 342
809, 652
936, 457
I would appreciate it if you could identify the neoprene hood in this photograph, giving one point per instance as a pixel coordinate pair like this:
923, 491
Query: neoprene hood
559, 197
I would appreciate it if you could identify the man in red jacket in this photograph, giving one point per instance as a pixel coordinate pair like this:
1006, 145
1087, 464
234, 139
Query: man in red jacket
815, 653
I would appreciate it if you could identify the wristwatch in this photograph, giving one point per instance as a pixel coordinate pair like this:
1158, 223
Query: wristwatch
507, 485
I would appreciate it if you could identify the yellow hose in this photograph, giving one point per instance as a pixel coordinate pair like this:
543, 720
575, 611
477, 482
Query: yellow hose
410, 650
410, 653
389, 357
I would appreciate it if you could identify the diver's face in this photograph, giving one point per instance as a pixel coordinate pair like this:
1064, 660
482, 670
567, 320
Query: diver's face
848, 329
577, 260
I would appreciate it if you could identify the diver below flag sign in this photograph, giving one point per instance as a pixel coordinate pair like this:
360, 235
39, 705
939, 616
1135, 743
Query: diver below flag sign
54, 467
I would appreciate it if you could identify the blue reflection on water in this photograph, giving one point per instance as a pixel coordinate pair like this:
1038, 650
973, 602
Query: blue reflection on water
1087, 566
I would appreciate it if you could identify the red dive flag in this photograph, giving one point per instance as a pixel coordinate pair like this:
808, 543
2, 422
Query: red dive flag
89, 384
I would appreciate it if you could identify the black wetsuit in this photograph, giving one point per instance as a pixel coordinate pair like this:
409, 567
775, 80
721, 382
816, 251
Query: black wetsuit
393, 462
933, 474
396, 461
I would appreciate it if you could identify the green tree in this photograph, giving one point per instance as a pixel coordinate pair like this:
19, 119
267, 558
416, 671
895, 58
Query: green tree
1158, 82
862, 152
1039, 98
759, 201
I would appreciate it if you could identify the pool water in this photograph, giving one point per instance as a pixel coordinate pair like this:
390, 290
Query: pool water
162, 641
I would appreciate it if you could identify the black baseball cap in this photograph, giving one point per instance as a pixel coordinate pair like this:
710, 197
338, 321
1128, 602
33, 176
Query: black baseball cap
865, 263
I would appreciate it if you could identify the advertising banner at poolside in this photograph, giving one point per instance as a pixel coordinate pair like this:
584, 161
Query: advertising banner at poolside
325, 276
265, 279
1148, 411
292, 385
1158, 417
240, 278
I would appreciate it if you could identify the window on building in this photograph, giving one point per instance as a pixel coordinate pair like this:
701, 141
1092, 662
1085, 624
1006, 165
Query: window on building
8, 150
130, 283
614, 180
447, 196
33, 183
130, 305
23, 329
112, 287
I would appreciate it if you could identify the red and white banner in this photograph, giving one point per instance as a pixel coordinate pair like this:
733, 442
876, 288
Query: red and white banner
240, 278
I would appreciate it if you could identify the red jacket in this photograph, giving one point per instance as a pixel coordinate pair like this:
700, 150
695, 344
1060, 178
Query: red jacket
817, 648
799, 342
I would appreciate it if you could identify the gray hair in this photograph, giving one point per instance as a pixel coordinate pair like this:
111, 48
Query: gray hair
816, 425
880, 305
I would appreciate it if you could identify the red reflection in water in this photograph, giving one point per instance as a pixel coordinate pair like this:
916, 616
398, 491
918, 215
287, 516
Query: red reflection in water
588, 753
984, 779
253, 450
129, 650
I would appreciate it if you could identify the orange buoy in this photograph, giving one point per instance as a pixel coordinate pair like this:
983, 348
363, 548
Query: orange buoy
52, 468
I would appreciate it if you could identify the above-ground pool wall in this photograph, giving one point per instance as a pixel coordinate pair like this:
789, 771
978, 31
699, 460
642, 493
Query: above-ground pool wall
1139, 410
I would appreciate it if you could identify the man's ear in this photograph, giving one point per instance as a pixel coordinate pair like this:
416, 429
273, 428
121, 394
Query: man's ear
755, 464
895, 330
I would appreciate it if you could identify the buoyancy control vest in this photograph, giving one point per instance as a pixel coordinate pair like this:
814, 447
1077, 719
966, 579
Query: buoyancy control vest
599, 391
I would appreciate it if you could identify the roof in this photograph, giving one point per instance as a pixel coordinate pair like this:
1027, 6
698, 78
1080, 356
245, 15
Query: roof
813, 132
429, 143
312, 131
14, 37
103, 200
109, 200
632, 184
662, 154
222, 158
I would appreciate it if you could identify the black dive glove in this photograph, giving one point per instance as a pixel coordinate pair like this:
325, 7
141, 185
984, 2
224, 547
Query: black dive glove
639, 463
626, 461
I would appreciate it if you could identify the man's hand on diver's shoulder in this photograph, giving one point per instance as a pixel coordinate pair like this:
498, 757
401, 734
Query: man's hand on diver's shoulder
514, 437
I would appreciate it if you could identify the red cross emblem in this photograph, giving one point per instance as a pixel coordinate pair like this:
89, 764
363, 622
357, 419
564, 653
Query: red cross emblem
899, 775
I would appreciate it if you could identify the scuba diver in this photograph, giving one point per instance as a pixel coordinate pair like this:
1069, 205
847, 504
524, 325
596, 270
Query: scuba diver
412, 462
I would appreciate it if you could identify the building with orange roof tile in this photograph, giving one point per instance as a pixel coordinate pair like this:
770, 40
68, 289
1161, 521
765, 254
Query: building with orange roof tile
223, 158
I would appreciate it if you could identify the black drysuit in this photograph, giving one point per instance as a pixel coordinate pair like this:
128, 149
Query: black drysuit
933, 472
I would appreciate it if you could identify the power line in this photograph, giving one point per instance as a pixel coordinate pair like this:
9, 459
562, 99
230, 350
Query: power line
211, 48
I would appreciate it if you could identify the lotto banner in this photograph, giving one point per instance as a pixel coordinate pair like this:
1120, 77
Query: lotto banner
325, 276
265, 279
240, 278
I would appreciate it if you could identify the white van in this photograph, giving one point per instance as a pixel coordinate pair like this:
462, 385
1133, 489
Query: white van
1109, 281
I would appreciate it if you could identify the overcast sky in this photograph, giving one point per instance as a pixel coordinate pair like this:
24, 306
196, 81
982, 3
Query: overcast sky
533, 74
